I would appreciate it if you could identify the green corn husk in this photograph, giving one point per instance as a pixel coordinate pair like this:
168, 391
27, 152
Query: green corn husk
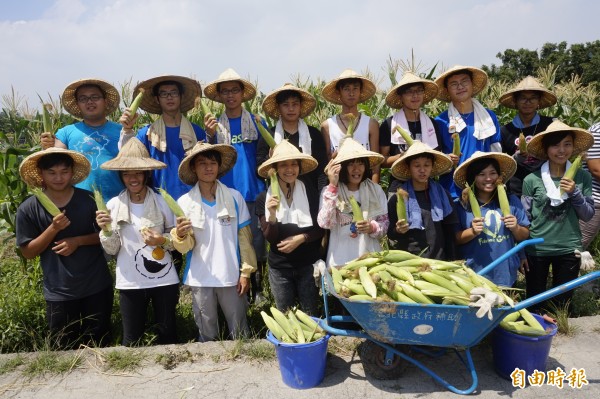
351, 125
171, 203
401, 196
274, 185
405, 135
46, 120
572, 171
137, 101
356, 211
522, 144
456, 144
45, 201
101, 207
503, 198
266, 135
475, 208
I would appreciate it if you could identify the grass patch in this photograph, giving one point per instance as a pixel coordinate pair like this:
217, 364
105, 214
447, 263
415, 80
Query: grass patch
172, 358
128, 360
51, 363
10, 365
561, 315
259, 350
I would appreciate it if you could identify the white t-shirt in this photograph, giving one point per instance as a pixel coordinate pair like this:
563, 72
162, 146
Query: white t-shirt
215, 259
361, 133
136, 267
344, 245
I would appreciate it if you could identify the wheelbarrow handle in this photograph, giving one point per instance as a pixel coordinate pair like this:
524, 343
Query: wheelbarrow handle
510, 253
557, 290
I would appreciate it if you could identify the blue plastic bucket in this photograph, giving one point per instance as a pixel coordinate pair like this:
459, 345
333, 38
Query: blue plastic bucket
302, 366
513, 351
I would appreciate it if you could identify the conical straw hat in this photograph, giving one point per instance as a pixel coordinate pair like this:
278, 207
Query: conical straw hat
229, 75
333, 96
191, 90
547, 98
133, 156
394, 99
352, 149
285, 151
582, 142
508, 166
32, 175
228, 158
111, 94
480, 79
270, 107
441, 164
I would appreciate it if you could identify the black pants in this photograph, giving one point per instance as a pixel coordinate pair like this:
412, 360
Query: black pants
81, 321
134, 305
564, 269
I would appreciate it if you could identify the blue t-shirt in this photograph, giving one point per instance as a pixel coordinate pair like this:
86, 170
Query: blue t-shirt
493, 242
468, 144
98, 144
243, 176
168, 178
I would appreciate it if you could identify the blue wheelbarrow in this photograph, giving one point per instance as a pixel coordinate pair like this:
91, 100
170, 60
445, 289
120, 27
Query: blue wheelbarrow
387, 326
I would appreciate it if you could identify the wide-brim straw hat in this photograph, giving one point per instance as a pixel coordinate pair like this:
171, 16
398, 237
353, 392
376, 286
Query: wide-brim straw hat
133, 156
228, 158
191, 90
582, 141
394, 100
333, 96
271, 107
285, 151
479, 80
547, 98
441, 164
111, 95
229, 75
32, 175
352, 149
508, 166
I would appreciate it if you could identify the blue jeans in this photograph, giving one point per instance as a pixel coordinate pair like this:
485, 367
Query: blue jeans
290, 286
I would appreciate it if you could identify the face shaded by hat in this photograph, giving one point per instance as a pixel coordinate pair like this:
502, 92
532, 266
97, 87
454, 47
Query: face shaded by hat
229, 75
401, 167
506, 163
285, 151
228, 158
409, 79
31, 173
582, 139
189, 90
133, 156
110, 94
271, 103
478, 78
528, 84
332, 94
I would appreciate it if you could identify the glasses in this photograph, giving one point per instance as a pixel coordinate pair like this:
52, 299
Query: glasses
529, 100
167, 94
462, 83
93, 98
416, 92
226, 92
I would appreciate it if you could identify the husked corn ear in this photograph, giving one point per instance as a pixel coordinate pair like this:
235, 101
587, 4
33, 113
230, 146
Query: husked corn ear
475, 208
414, 294
456, 144
522, 144
405, 135
356, 211
135, 104
503, 198
45, 201
171, 203
266, 135
306, 319
401, 196
355, 264
101, 207
442, 282
572, 171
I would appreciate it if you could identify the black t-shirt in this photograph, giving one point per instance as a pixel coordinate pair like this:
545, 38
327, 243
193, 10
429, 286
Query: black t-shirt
385, 137
436, 237
510, 137
317, 177
307, 253
84, 272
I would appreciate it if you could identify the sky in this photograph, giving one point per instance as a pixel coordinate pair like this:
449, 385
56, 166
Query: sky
46, 44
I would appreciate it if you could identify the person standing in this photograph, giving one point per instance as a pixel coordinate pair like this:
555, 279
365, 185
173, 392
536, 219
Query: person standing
590, 229
91, 100
528, 97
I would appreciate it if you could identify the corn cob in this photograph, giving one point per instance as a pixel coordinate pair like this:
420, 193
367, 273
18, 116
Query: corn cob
522, 144
456, 144
45, 201
367, 282
336, 276
423, 285
274, 184
101, 207
378, 268
405, 135
503, 198
306, 319
171, 203
135, 104
475, 208
297, 328
351, 125
397, 255
456, 300
519, 327
414, 294
354, 286
572, 171
273, 326
401, 196
264, 132
355, 264
514, 316
385, 276
442, 282
284, 323
531, 321
402, 274
360, 297
356, 211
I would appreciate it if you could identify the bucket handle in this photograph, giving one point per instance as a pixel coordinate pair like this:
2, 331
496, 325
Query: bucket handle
273, 340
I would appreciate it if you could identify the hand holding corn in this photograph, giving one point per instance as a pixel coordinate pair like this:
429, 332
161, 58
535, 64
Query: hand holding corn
510, 222
46, 140
402, 226
127, 120
477, 225
184, 227
567, 185
60, 222
103, 219
364, 227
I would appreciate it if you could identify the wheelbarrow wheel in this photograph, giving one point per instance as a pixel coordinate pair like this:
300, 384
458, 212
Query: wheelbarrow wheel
372, 357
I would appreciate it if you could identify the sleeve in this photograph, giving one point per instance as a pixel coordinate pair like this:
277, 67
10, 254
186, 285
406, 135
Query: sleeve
63, 135
446, 140
507, 146
182, 245
452, 217
247, 254
438, 134
111, 244
582, 201
381, 222
527, 197
26, 228
518, 211
327, 217
385, 133
461, 216
262, 151
496, 138
200, 133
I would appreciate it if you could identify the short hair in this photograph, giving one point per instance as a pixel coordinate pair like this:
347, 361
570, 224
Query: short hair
148, 181
90, 85
51, 160
403, 89
459, 72
160, 84
341, 83
516, 95
417, 156
478, 165
213, 155
344, 178
554, 138
236, 81
285, 95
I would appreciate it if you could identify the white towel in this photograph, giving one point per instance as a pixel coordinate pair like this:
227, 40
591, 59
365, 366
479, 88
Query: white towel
157, 134
552, 191
249, 130
427, 129
298, 212
484, 124
192, 205
304, 140
152, 215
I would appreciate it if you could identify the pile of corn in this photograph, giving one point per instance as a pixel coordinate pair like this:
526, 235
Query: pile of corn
295, 328
399, 276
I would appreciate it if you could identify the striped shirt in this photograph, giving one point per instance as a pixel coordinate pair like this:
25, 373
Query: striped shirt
594, 153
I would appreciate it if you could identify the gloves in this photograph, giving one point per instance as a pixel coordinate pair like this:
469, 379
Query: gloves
485, 300
587, 262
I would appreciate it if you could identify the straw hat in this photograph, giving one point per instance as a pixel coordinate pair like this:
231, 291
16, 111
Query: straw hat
508, 166
133, 156
394, 100
441, 164
530, 83
582, 142
352, 149
228, 158
285, 151
191, 90
270, 107
111, 95
333, 96
229, 75
480, 79
32, 175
